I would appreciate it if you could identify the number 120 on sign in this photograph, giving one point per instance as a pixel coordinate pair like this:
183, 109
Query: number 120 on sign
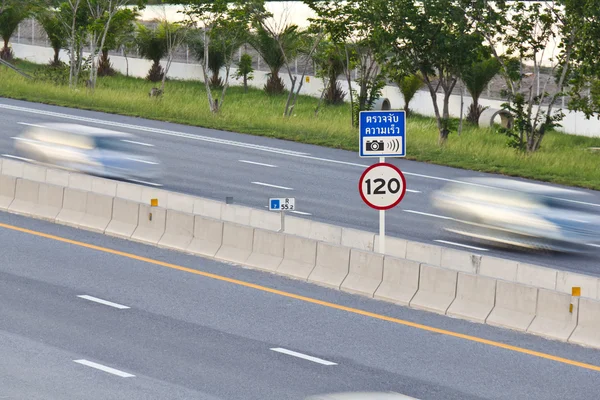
382, 186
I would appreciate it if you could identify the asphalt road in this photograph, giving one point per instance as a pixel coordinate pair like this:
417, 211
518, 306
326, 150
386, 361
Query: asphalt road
174, 333
217, 164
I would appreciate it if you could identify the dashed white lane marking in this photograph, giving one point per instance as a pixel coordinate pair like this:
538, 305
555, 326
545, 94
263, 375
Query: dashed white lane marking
258, 163
427, 214
303, 356
300, 212
412, 191
104, 368
461, 245
239, 144
593, 245
106, 303
16, 157
273, 186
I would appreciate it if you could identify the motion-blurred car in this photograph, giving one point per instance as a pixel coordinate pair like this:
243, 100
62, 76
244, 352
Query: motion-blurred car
361, 396
518, 214
90, 150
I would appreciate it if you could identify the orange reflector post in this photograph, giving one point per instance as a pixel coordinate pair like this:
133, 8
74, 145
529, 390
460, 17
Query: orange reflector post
154, 202
576, 291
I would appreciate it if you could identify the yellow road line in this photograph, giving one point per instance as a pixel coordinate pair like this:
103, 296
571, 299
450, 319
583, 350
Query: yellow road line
311, 300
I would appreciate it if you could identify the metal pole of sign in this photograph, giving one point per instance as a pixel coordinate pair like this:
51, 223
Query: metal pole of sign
382, 223
282, 221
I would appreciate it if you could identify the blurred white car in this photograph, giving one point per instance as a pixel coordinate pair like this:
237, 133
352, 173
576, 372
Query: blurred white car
362, 396
518, 213
90, 150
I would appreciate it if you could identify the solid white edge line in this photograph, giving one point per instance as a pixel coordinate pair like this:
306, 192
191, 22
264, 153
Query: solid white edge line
426, 214
104, 368
16, 157
461, 245
300, 212
273, 186
105, 302
303, 356
257, 163
239, 144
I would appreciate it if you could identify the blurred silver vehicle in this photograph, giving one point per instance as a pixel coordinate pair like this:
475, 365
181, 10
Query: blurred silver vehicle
362, 396
519, 214
90, 150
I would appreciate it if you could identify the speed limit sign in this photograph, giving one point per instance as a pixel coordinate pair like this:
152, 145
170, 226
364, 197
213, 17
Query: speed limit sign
382, 186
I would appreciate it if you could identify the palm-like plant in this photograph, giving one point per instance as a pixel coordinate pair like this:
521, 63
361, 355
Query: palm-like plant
331, 63
408, 85
476, 78
10, 18
152, 46
55, 30
216, 57
273, 49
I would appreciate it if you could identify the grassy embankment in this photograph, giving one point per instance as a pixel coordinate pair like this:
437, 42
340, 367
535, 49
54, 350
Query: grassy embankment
563, 158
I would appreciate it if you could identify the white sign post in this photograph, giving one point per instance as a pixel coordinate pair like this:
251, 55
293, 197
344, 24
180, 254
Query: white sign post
282, 205
382, 186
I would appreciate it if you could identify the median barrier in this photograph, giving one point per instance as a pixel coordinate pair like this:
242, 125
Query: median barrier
400, 281
98, 212
13, 168
80, 182
50, 201
394, 247
460, 260
297, 226
475, 297
151, 224
437, 289
498, 268
423, 253
180, 202
356, 239
208, 236
149, 193
587, 332
325, 232
207, 208
129, 191
365, 273
237, 243
540, 277
26, 197
267, 220
124, 220
554, 318
179, 230
332, 265
589, 285
7, 191
515, 306
57, 177
235, 214
34, 173
104, 186
299, 257
73, 208
267, 250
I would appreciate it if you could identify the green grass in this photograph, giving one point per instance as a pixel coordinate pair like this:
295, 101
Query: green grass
562, 159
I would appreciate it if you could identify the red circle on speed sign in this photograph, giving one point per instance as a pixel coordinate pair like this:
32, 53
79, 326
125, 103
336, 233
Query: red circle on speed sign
382, 186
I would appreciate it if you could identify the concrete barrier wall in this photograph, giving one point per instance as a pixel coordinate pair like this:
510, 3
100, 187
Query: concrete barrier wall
463, 287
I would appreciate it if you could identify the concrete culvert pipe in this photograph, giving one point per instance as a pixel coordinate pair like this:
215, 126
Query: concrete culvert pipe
382, 103
487, 117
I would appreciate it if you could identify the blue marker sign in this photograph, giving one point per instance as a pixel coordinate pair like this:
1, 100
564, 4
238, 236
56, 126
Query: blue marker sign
282, 204
382, 134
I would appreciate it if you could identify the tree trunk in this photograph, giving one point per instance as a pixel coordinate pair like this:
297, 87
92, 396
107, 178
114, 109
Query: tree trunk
444, 131
245, 83
56, 55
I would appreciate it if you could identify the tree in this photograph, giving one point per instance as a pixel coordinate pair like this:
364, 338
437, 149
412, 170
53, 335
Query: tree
216, 56
348, 22
10, 18
151, 47
245, 70
526, 30
174, 35
50, 21
121, 30
331, 63
225, 28
433, 38
75, 18
408, 86
476, 77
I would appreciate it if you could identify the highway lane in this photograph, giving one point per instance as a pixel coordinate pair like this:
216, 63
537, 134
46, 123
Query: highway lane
218, 164
189, 336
